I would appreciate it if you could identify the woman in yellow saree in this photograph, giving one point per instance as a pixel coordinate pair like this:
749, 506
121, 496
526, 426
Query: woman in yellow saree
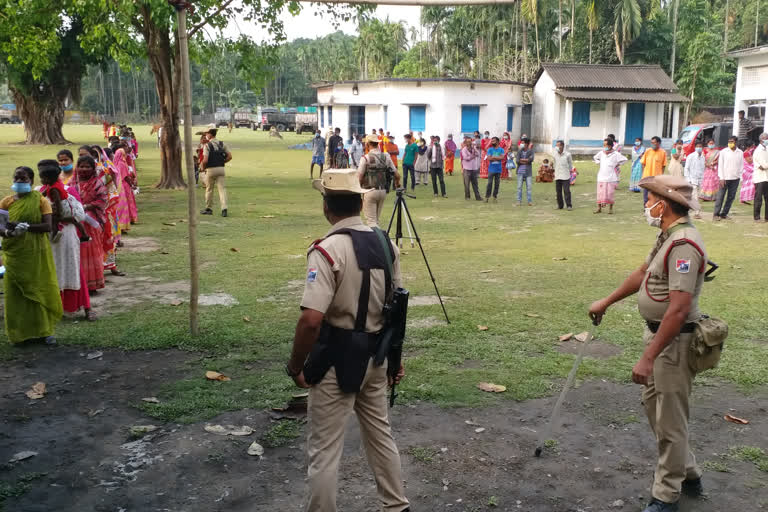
32, 300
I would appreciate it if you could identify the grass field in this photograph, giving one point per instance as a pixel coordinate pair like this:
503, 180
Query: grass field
496, 264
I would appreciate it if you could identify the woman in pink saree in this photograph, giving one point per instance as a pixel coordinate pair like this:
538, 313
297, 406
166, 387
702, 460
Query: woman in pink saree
123, 173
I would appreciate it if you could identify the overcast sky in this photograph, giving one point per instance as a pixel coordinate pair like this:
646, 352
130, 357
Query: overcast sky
306, 24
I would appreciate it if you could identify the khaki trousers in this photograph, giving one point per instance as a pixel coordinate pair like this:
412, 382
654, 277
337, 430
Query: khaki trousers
215, 177
695, 196
666, 405
329, 410
373, 203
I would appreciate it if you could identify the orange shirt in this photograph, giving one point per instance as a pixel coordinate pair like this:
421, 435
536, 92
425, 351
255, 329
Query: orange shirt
653, 161
393, 151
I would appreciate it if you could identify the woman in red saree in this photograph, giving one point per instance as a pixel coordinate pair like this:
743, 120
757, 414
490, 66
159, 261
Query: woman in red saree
108, 175
94, 199
484, 145
130, 182
505, 144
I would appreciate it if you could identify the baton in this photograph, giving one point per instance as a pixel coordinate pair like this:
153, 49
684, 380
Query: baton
569, 381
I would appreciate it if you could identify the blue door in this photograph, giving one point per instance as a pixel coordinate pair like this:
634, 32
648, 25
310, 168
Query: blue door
417, 118
635, 123
510, 118
470, 118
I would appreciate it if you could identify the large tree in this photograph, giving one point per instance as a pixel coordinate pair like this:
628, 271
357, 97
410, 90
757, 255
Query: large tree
43, 62
147, 28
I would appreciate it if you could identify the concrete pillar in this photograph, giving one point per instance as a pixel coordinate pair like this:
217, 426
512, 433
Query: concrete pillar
675, 121
567, 121
659, 120
765, 116
608, 117
622, 124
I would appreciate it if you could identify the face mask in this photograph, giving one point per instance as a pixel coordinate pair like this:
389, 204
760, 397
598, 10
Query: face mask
650, 219
506, 138
765, 143
731, 145
607, 149
22, 188
66, 168
638, 143
674, 151
655, 145
711, 146
699, 150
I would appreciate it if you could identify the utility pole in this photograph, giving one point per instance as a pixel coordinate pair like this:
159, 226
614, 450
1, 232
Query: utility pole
194, 271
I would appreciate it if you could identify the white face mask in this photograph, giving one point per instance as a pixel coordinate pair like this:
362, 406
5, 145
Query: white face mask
650, 219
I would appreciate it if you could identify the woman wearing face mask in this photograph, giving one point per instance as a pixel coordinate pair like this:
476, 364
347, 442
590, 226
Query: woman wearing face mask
422, 163
747, 187
93, 195
505, 144
675, 167
711, 182
637, 166
32, 300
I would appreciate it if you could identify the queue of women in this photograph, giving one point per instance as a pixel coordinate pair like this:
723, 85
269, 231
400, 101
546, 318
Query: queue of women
60, 237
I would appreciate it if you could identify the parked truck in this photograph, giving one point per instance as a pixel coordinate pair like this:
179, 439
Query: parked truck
283, 121
9, 117
243, 117
306, 122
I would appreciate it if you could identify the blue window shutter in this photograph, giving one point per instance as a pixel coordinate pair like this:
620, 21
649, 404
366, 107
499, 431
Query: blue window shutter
510, 118
580, 113
417, 118
470, 118
330, 117
322, 117
386, 115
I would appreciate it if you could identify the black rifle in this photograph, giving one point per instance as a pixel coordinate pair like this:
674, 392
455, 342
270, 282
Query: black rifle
391, 345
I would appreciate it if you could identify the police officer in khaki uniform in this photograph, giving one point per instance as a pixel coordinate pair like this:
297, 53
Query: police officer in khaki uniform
669, 284
372, 172
333, 311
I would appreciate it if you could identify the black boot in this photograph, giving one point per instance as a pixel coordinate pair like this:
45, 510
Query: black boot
207, 211
660, 506
693, 488
224, 212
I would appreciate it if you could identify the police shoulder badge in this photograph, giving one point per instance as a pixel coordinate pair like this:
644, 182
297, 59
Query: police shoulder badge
683, 266
311, 275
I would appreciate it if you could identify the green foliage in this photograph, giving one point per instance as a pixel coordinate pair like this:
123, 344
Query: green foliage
423, 454
379, 44
752, 454
282, 433
417, 63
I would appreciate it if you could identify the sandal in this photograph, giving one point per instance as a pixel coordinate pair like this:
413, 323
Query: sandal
90, 316
116, 272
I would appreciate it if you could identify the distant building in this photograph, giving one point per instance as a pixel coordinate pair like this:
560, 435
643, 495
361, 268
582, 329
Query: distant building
751, 84
434, 106
582, 103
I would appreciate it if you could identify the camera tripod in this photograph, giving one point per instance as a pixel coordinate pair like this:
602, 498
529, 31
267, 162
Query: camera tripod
397, 213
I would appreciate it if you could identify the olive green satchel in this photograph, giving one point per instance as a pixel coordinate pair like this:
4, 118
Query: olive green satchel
707, 343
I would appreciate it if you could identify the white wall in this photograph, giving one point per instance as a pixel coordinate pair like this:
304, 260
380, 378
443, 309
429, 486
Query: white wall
546, 109
754, 88
443, 101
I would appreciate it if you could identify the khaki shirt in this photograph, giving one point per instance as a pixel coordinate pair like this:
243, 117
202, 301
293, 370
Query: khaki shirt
363, 166
334, 290
673, 268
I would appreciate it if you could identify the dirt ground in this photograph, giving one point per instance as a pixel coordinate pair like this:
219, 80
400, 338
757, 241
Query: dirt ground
603, 454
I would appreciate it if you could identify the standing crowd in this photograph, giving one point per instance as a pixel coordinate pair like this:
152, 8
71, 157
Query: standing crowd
61, 237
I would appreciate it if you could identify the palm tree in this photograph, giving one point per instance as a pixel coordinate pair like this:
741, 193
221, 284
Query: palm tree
530, 10
627, 25
592, 23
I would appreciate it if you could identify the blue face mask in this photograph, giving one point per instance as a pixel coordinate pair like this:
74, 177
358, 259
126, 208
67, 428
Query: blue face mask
66, 168
22, 188
765, 143
638, 143
674, 151
699, 150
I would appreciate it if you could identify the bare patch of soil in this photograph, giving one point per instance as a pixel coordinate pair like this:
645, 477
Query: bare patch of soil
139, 244
596, 349
128, 291
602, 451
425, 323
427, 300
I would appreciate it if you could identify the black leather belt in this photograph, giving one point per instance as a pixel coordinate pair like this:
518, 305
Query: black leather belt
687, 328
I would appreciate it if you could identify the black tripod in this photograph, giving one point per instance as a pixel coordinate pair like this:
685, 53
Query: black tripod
400, 205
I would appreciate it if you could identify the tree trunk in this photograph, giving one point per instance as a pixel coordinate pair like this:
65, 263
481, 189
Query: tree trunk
725, 29
43, 115
572, 33
120, 89
525, 50
674, 39
166, 68
619, 46
590, 46
560, 29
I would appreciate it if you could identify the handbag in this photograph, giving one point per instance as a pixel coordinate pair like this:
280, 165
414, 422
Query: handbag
707, 343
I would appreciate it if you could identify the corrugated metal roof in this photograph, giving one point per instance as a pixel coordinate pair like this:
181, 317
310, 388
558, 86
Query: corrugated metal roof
607, 76
639, 96
447, 79
747, 52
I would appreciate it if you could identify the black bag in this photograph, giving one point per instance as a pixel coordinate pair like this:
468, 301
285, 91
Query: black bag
217, 156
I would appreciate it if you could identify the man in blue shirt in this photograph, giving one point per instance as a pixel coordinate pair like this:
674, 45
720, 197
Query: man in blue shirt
495, 156
525, 159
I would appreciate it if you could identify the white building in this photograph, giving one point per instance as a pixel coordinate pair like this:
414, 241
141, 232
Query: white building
582, 103
751, 84
434, 106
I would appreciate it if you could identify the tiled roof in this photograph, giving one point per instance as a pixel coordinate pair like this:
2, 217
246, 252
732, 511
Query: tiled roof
608, 77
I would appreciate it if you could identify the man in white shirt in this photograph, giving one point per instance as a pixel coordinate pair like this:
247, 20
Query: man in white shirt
563, 163
730, 165
760, 177
694, 173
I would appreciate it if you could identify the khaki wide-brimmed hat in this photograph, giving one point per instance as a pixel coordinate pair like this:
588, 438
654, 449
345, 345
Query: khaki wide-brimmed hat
673, 188
210, 127
371, 139
339, 181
